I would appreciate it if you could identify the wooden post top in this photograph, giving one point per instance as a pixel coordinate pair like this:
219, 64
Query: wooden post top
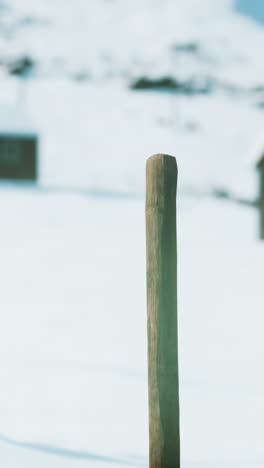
161, 174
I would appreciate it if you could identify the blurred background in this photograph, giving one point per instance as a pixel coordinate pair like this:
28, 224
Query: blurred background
88, 91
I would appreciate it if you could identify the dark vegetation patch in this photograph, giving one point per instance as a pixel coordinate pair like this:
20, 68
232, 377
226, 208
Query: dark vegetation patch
21, 66
81, 76
189, 87
186, 47
199, 86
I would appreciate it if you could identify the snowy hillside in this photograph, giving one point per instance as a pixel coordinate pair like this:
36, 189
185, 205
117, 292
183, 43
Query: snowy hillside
83, 56
106, 39
103, 38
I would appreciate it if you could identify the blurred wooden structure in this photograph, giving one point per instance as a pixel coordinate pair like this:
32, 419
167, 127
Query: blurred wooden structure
260, 168
18, 146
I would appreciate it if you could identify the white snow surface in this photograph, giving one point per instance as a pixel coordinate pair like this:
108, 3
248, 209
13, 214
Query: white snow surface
120, 39
73, 343
73, 333
14, 121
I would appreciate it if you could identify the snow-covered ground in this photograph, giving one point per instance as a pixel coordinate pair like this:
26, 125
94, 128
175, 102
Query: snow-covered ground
72, 271
73, 333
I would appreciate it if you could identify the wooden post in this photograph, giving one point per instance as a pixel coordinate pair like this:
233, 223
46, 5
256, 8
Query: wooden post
163, 381
260, 167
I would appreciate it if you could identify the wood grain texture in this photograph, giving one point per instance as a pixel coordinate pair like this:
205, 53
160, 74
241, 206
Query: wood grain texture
163, 384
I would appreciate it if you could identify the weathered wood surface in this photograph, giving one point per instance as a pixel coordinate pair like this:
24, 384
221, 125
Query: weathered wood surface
163, 381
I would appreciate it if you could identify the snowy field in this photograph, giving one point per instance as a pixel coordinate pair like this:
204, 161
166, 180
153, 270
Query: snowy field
73, 335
